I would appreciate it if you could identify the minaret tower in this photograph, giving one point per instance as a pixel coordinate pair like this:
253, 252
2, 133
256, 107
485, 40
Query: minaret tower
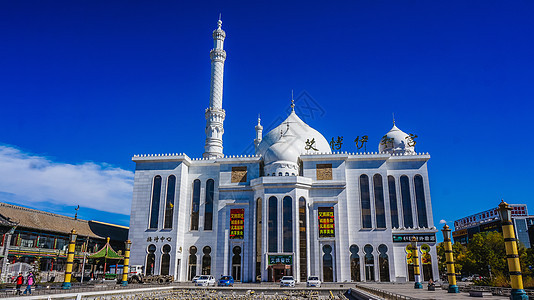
259, 135
214, 113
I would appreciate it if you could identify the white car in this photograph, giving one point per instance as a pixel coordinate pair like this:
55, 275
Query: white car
287, 281
313, 281
195, 279
205, 280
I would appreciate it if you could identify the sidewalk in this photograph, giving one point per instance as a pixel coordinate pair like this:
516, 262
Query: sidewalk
407, 289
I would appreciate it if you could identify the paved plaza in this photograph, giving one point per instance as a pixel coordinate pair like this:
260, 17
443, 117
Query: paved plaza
407, 289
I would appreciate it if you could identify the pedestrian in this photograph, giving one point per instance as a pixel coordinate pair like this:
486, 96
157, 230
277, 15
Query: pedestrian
29, 280
19, 281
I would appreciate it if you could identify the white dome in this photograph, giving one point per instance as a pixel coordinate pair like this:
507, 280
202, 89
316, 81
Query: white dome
397, 141
288, 140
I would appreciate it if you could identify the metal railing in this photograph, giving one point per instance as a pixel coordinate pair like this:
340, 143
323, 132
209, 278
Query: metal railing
383, 294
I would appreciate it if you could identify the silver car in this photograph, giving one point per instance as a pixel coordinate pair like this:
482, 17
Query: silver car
313, 281
287, 281
205, 280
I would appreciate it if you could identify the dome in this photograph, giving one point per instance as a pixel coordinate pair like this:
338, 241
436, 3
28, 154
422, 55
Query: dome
288, 140
397, 141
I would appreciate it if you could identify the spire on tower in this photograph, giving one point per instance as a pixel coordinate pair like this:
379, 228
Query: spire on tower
292, 102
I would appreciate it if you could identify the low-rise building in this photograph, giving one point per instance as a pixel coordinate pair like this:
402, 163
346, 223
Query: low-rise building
40, 238
489, 220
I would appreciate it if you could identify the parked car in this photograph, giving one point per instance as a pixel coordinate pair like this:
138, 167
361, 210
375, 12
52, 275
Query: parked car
226, 281
313, 281
205, 280
287, 281
195, 278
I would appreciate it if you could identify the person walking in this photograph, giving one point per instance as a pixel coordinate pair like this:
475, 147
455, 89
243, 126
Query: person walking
30, 281
19, 281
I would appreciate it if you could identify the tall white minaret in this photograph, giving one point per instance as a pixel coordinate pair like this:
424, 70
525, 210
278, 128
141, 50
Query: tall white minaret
215, 114
259, 135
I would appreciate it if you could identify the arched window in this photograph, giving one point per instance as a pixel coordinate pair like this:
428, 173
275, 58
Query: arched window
354, 263
328, 264
150, 259
302, 239
208, 208
369, 263
393, 202
206, 261
287, 173
273, 225
420, 201
406, 201
169, 204
195, 204
154, 206
192, 262
280, 174
379, 201
287, 231
165, 259
236, 263
383, 263
366, 201
258, 237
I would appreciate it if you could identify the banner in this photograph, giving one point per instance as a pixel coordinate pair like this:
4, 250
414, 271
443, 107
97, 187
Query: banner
326, 222
237, 223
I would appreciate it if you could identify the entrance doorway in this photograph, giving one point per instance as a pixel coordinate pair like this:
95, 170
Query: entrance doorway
276, 272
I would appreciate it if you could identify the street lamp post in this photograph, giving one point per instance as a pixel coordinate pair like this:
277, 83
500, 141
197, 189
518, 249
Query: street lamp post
416, 271
70, 260
510, 242
453, 288
126, 265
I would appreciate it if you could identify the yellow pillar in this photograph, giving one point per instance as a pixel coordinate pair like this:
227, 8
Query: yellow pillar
70, 260
126, 265
416, 271
512, 256
449, 257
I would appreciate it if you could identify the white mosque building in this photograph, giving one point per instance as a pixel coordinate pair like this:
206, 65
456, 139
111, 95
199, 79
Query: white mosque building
294, 208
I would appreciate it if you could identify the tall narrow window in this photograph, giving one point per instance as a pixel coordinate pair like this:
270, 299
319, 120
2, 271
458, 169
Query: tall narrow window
406, 201
273, 225
208, 208
165, 259
154, 207
420, 201
287, 230
258, 237
369, 263
328, 264
354, 263
236, 263
383, 263
169, 204
379, 201
195, 203
150, 259
192, 262
393, 202
206, 261
366, 201
302, 239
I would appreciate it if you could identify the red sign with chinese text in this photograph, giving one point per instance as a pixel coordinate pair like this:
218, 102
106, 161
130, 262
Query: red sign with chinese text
237, 223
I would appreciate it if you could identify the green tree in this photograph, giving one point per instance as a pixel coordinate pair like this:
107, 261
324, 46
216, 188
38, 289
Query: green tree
483, 250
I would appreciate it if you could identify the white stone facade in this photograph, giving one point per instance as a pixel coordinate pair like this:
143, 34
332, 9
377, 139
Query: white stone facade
181, 204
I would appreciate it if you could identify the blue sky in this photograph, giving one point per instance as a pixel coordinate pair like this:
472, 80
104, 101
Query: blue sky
84, 85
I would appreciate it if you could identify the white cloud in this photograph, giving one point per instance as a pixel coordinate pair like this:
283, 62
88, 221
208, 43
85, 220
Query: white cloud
28, 180
442, 221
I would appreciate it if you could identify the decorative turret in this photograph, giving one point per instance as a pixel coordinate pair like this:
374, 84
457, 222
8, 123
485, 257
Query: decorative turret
214, 113
259, 134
